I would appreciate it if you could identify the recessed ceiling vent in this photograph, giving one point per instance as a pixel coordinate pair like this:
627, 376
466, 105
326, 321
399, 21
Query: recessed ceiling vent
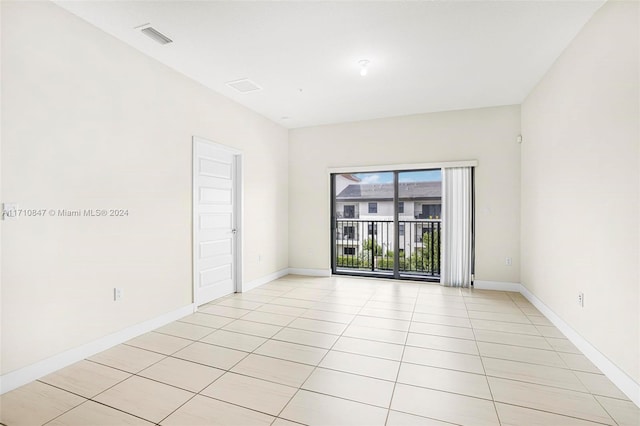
244, 85
155, 35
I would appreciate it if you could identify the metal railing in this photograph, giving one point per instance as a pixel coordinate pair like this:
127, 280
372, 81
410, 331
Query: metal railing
369, 246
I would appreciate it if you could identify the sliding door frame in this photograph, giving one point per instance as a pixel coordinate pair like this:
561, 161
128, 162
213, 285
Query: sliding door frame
396, 273
396, 169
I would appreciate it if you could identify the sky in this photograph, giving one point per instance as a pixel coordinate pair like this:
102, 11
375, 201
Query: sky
387, 177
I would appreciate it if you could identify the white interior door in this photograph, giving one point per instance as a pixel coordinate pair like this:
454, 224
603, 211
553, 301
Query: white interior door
215, 207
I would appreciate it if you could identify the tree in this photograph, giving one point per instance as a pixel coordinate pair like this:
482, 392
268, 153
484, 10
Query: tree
427, 258
366, 258
348, 261
368, 244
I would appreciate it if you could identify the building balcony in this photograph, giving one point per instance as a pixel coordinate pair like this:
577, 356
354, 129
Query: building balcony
424, 216
348, 215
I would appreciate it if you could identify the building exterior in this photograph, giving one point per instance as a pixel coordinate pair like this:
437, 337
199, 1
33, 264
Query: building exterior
364, 216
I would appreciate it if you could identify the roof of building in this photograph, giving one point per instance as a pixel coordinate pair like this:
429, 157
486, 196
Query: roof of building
379, 191
350, 177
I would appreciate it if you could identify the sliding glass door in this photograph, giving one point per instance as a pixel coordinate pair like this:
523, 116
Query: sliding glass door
387, 224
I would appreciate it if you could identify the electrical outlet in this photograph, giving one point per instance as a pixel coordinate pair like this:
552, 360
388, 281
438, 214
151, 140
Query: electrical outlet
581, 299
117, 294
507, 261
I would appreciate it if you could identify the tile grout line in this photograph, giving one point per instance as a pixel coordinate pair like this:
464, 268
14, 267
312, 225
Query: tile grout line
546, 386
318, 364
500, 402
554, 413
176, 387
410, 385
495, 407
229, 371
573, 371
381, 379
605, 410
333, 334
374, 296
66, 411
166, 384
87, 399
404, 347
557, 387
225, 372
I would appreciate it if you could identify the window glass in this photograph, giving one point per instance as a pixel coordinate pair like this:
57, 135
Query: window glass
349, 212
350, 232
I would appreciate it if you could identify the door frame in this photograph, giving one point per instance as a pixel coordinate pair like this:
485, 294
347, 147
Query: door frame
238, 215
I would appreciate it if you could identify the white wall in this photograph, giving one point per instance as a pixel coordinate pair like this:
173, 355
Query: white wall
1, 198
487, 135
384, 211
580, 185
88, 122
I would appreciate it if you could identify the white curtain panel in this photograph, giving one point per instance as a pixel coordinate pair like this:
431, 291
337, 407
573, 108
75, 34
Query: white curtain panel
456, 227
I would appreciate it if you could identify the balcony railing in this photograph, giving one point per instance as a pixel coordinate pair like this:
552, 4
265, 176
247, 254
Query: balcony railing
369, 246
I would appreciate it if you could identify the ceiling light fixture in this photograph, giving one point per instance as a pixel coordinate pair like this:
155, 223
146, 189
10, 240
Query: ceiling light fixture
364, 63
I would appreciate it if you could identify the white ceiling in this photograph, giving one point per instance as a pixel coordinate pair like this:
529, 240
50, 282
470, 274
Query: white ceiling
425, 55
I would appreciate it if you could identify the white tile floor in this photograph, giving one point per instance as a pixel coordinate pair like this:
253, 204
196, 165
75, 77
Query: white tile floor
335, 351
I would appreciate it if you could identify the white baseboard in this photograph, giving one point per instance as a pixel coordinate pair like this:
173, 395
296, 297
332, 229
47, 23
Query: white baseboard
496, 285
626, 384
310, 272
32, 372
263, 280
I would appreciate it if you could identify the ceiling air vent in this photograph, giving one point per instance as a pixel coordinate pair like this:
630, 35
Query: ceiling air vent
156, 35
244, 85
